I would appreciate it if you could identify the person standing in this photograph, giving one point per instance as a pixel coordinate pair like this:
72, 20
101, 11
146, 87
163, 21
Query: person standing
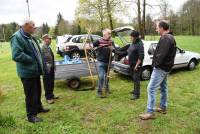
104, 46
29, 61
163, 61
48, 79
136, 56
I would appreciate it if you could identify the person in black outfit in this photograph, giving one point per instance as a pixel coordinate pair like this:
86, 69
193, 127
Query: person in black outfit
136, 56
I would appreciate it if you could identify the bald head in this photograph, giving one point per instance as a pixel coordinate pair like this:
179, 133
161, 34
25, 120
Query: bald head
28, 26
106, 33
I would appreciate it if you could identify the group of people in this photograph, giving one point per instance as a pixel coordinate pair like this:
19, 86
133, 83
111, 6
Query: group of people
33, 61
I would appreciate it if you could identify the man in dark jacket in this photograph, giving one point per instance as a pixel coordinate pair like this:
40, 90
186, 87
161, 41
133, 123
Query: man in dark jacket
136, 56
105, 46
29, 60
48, 79
163, 62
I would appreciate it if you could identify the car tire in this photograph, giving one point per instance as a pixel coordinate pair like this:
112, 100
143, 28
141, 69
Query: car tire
76, 54
192, 65
74, 83
146, 73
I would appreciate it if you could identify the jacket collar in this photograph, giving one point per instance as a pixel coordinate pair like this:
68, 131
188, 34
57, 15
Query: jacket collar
24, 34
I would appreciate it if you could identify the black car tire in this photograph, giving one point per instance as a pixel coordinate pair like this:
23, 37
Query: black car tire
192, 65
74, 83
76, 54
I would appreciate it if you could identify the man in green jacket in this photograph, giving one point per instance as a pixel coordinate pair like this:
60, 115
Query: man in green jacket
30, 65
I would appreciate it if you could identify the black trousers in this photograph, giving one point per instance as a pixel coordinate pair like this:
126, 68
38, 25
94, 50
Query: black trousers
32, 91
136, 81
48, 81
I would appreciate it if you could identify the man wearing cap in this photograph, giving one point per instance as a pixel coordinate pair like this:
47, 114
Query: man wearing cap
136, 56
30, 65
48, 78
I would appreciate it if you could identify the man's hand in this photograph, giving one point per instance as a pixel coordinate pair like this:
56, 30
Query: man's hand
136, 68
111, 48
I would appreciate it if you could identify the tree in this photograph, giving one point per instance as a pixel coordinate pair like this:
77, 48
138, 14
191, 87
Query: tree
62, 26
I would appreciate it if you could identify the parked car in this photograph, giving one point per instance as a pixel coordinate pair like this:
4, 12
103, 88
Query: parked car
60, 41
183, 59
74, 46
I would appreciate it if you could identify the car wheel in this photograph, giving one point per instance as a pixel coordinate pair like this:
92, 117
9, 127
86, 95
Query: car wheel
76, 55
74, 83
146, 73
192, 65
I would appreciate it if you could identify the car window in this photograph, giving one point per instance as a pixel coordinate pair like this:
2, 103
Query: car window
95, 38
83, 39
152, 48
68, 39
76, 40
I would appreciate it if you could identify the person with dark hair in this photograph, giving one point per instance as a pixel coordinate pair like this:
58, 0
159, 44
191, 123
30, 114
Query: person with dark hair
163, 61
136, 56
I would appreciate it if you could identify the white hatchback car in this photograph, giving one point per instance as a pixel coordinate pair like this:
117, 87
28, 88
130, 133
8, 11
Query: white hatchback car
183, 59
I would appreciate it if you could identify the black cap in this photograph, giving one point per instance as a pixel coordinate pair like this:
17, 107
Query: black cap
135, 33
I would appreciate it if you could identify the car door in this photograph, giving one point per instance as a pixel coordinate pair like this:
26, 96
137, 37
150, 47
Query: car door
180, 59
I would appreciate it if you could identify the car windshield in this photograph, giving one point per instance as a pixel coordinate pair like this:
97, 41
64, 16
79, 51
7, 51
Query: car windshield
68, 39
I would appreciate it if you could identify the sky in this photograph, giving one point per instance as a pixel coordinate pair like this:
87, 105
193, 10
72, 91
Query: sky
45, 11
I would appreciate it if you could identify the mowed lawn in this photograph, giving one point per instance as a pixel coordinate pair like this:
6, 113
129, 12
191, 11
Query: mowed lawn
81, 112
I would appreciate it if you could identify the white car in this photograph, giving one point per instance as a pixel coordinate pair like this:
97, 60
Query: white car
74, 46
60, 41
183, 59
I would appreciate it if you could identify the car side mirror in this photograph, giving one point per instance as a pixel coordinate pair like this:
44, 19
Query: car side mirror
182, 51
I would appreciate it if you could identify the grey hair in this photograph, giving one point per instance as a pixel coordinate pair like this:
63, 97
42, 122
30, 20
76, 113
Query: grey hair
106, 30
27, 21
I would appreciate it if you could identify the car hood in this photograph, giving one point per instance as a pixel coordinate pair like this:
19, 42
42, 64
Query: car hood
194, 54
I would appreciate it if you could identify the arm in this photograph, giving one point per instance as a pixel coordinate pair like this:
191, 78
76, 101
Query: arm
141, 56
18, 53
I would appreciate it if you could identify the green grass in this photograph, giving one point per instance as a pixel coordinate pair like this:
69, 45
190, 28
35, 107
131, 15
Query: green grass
80, 112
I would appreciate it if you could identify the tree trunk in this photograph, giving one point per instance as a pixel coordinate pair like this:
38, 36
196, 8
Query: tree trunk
109, 14
139, 17
143, 20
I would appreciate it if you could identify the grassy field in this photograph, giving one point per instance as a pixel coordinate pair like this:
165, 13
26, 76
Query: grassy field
81, 112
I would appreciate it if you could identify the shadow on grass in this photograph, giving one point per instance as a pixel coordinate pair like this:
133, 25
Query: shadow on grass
86, 85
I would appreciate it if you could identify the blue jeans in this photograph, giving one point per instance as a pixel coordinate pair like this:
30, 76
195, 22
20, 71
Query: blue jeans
103, 81
158, 79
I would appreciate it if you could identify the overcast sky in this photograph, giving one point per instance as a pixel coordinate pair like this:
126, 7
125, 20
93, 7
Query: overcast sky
47, 10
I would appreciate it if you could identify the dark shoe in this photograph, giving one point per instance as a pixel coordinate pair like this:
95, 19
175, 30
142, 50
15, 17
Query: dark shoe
147, 116
34, 119
55, 97
161, 110
50, 101
99, 94
134, 97
43, 110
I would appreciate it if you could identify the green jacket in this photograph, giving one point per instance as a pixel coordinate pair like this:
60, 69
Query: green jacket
24, 56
